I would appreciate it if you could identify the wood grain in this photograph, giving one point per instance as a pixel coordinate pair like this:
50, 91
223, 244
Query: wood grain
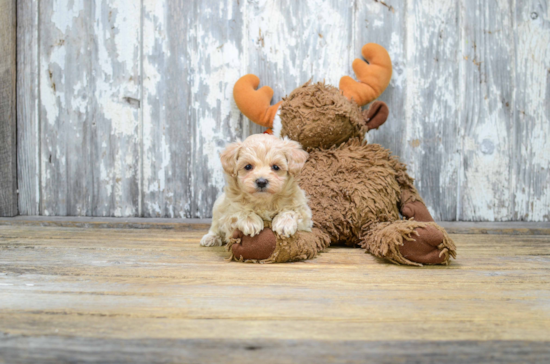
530, 199
166, 131
70, 291
114, 117
66, 107
290, 42
452, 227
216, 52
28, 121
371, 25
124, 107
21, 349
431, 108
487, 116
8, 151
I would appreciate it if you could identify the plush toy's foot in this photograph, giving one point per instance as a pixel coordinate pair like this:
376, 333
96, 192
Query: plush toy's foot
267, 247
410, 242
428, 247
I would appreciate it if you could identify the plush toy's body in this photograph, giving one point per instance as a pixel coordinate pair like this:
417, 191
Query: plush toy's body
356, 190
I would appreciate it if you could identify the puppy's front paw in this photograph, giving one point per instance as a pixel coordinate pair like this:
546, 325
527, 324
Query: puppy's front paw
285, 224
211, 240
251, 225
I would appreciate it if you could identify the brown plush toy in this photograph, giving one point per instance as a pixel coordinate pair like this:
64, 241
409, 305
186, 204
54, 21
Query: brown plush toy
356, 190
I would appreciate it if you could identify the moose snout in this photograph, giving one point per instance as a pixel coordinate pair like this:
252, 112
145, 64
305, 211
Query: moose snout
261, 182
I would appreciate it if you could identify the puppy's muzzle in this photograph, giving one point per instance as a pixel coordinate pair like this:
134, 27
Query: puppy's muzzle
262, 183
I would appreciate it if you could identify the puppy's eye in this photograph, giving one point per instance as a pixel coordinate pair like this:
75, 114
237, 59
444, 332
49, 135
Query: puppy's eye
275, 167
248, 167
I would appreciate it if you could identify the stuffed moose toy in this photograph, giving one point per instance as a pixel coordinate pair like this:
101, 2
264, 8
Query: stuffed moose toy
357, 191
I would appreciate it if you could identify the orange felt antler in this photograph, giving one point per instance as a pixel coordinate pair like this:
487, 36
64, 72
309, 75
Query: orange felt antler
255, 104
374, 77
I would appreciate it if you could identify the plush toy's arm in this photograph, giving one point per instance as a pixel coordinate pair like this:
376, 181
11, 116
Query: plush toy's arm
255, 104
373, 77
268, 247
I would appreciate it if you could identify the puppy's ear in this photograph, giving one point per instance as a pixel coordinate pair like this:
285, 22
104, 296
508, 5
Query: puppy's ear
229, 157
295, 156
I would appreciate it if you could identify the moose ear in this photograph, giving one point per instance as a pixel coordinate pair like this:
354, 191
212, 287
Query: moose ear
254, 104
376, 115
229, 157
373, 76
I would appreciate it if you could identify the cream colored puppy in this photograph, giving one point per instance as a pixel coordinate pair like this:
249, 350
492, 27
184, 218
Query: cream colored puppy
261, 185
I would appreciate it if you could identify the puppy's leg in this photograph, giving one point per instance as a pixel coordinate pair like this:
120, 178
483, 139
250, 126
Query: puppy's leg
211, 239
285, 223
214, 236
305, 222
249, 223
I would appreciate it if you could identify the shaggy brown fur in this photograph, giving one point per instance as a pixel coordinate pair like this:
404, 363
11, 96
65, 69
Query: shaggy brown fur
359, 185
356, 190
308, 108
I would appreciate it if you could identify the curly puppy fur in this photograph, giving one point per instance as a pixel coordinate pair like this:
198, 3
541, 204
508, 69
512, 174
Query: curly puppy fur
261, 175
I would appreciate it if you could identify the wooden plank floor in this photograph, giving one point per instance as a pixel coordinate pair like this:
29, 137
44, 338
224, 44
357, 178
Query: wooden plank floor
124, 295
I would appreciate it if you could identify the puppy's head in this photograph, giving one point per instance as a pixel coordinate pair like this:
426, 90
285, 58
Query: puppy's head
263, 165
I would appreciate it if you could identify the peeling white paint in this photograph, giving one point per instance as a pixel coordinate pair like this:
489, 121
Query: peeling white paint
116, 65
48, 96
532, 182
297, 48
155, 38
431, 102
122, 117
217, 70
455, 130
488, 124
65, 12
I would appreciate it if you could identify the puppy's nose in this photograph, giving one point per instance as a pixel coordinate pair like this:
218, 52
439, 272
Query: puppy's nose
261, 182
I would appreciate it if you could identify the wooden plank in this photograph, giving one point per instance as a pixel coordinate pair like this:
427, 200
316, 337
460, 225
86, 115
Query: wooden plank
431, 103
66, 107
384, 23
512, 228
531, 153
28, 126
89, 289
54, 349
25, 350
166, 131
113, 222
94, 145
23, 250
117, 258
216, 56
487, 116
452, 227
192, 58
8, 153
115, 115
89, 92
290, 42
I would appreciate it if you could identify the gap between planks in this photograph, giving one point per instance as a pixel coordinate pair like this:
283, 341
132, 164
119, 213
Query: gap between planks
453, 227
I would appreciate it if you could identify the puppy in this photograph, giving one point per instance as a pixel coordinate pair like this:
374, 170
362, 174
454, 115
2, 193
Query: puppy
261, 175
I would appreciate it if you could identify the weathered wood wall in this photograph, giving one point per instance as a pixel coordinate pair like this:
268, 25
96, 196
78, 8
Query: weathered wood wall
125, 105
8, 150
